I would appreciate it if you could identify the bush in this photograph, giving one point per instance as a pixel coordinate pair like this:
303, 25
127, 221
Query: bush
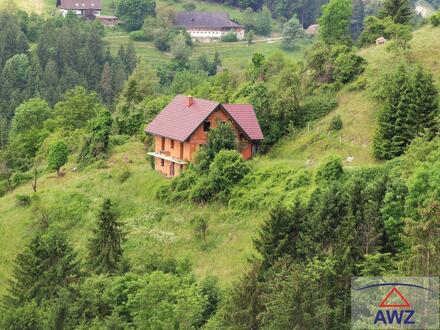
435, 19
23, 200
19, 178
4, 187
229, 37
335, 124
118, 140
124, 176
318, 106
189, 6
226, 170
138, 36
347, 67
330, 171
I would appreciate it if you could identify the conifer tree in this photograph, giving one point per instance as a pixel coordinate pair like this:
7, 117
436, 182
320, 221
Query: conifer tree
278, 234
130, 58
410, 108
46, 267
399, 10
105, 250
391, 134
107, 84
422, 116
357, 18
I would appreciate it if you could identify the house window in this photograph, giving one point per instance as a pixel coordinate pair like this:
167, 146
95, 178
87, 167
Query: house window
162, 162
172, 144
206, 126
181, 167
163, 143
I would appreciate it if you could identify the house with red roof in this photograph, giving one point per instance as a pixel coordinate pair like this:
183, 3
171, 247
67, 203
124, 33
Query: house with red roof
183, 126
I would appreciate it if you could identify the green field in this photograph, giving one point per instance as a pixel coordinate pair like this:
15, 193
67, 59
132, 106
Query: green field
152, 226
357, 109
233, 55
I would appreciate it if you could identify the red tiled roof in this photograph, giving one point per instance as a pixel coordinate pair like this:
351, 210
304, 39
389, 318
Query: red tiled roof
178, 121
245, 117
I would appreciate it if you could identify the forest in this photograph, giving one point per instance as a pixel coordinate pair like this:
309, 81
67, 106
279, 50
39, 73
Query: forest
67, 103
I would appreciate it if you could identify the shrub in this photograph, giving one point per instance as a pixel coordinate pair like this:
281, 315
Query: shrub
200, 226
348, 66
229, 37
4, 187
118, 140
226, 170
23, 200
138, 36
189, 6
318, 106
124, 176
19, 178
359, 84
435, 19
300, 179
335, 124
330, 171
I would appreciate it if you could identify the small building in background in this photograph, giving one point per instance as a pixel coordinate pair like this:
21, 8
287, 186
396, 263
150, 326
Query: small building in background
183, 125
85, 8
208, 26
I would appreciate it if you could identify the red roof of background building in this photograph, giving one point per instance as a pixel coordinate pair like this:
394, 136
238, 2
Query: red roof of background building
178, 121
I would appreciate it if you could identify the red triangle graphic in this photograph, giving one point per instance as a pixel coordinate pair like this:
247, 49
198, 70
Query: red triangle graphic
405, 303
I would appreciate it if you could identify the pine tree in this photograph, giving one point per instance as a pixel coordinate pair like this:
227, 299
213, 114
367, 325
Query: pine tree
130, 58
422, 116
422, 237
107, 84
392, 131
278, 234
105, 250
357, 19
399, 10
410, 108
50, 86
46, 266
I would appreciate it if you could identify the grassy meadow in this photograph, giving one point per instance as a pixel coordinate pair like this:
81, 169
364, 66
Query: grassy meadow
152, 226
233, 54
357, 109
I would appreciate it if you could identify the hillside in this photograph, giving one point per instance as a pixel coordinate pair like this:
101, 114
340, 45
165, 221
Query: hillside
357, 109
157, 227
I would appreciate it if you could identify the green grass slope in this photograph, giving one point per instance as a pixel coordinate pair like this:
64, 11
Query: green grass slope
232, 54
152, 226
357, 109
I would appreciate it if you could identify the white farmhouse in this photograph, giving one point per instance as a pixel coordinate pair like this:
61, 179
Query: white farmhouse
85, 8
207, 26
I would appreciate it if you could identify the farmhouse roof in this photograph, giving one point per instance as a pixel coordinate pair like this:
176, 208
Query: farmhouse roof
180, 118
199, 19
80, 4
